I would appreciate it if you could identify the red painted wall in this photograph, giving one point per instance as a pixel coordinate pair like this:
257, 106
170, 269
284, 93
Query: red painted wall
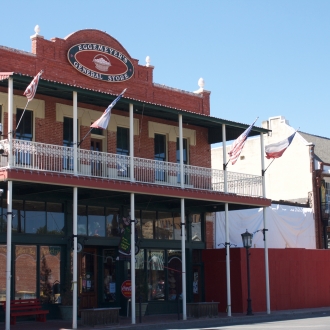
298, 278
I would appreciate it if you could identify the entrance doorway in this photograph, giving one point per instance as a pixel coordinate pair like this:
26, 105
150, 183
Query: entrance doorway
96, 159
87, 274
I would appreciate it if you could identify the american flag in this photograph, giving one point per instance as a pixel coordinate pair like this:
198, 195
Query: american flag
237, 146
32, 88
103, 121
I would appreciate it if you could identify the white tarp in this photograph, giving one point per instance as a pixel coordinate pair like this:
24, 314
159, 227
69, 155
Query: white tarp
288, 226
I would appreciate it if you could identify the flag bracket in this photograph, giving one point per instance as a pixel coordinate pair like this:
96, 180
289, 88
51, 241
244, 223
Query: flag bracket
263, 232
264, 171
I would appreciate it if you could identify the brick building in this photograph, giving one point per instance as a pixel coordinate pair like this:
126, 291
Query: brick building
66, 187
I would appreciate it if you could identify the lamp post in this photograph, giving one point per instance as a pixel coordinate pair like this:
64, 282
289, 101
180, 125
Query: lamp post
247, 243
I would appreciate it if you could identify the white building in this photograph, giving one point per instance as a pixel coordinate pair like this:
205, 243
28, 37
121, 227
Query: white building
301, 175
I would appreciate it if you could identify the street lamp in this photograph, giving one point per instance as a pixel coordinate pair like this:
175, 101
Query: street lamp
247, 243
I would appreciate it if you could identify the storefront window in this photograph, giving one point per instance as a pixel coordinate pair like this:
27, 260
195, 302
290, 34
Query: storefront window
35, 218
49, 269
18, 216
174, 279
156, 274
82, 220
25, 271
112, 222
177, 227
164, 226
195, 224
138, 226
109, 285
96, 221
3, 217
3, 263
141, 282
55, 218
148, 218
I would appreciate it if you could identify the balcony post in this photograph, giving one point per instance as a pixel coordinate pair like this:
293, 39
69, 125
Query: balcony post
181, 151
9, 200
75, 259
227, 243
131, 141
10, 120
133, 257
183, 251
75, 133
9, 244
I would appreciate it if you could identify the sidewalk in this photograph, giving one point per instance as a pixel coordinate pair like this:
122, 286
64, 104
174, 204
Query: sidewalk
170, 321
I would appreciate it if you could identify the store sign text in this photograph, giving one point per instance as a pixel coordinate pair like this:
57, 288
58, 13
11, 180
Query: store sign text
100, 62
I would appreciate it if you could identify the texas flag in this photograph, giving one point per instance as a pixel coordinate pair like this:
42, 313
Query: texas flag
276, 150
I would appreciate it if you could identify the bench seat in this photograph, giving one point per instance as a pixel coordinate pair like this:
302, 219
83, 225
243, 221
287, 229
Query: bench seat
26, 307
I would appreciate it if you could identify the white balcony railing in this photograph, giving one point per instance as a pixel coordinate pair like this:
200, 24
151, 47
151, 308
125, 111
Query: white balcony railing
54, 158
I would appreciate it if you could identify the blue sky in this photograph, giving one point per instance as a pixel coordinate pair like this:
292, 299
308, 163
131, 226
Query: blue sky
259, 58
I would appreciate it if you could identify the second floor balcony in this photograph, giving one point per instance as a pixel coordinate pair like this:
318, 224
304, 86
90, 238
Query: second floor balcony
36, 156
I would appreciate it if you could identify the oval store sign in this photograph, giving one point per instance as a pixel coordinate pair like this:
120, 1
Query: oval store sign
100, 62
126, 289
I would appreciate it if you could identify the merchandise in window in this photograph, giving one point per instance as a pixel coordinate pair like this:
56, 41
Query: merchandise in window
174, 278
156, 274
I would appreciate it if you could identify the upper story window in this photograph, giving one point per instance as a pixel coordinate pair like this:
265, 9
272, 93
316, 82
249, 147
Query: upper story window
25, 128
122, 141
160, 147
185, 151
160, 155
67, 131
97, 131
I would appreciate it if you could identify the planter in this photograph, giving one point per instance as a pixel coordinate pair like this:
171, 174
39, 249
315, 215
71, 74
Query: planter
144, 307
65, 312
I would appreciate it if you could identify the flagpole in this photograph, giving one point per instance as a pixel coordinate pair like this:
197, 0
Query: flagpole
30, 93
21, 117
104, 124
80, 142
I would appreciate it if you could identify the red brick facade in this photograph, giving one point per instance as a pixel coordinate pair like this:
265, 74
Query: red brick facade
51, 56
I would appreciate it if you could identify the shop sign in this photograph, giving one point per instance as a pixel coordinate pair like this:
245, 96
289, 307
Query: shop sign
100, 62
126, 289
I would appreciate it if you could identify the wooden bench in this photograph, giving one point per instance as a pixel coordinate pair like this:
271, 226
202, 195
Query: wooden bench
26, 307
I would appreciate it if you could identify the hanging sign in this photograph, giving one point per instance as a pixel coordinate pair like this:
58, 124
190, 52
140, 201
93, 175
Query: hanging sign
100, 62
125, 241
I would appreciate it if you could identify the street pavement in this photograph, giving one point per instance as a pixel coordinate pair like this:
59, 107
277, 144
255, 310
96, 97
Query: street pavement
171, 322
